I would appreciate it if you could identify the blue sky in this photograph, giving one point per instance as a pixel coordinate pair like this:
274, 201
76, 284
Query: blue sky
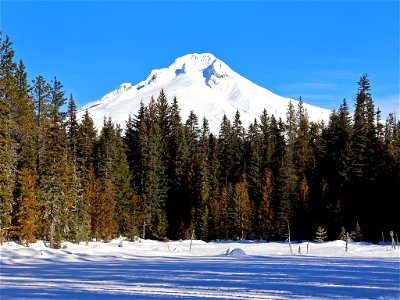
314, 49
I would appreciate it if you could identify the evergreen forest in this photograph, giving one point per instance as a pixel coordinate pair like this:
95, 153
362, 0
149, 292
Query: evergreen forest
161, 177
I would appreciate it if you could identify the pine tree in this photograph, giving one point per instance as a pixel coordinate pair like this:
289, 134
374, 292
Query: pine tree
107, 224
191, 168
254, 164
133, 148
123, 186
155, 187
302, 147
22, 113
343, 234
163, 117
242, 209
320, 234
52, 165
287, 190
336, 164
237, 142
221, 213
205, 186
72, 130
367, 150
112, 164
304, 194
28, 206
225, 150
76, 216
356, 235
291, 128
93, 190
268, 144
266, 214
7, 145
86, 141
277, 144
41, 98
175, 168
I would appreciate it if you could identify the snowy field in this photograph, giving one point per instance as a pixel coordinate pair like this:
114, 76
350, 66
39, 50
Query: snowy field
168, 270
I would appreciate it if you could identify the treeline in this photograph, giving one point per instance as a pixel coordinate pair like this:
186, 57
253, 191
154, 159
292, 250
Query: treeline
161, 177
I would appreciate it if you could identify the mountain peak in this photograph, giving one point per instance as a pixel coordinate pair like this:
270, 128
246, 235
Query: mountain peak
203, 67
196, 59
200, 82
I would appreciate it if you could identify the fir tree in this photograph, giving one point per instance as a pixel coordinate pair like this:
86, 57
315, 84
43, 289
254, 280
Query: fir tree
123, 186
72, 130
41, 98
92, 193
288, 195
303, 152
23, 118
76, 220
28, 206
254, 161
205, 186
266, 214
86, 141
155, 187
52, 165
237, 142
242, 209
320, 234
356, 235
107, 224
176, 170
7, 146
343, 234
225, 150
304, 194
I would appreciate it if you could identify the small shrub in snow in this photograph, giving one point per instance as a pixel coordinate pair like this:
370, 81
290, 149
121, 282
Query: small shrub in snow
356, 234
393, 241
343, 234
320, 234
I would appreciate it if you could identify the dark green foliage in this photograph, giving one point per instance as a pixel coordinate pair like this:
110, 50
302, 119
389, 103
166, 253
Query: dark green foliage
51, 169
112, 164
8, 159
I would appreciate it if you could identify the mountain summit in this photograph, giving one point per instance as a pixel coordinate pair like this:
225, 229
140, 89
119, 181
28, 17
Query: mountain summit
202, 83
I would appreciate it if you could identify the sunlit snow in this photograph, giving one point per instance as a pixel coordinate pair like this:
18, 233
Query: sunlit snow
168, 270
201, 83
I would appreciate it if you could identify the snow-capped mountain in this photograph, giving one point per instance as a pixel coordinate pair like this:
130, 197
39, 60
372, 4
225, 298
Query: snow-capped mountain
201, 83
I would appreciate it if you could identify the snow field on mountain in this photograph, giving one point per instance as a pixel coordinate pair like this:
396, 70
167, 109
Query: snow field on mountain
216, 270
201, 83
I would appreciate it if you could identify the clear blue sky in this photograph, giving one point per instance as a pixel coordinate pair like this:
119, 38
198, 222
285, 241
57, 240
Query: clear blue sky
315, 49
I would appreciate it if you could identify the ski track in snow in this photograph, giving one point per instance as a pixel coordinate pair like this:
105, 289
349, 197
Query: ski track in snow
157, 270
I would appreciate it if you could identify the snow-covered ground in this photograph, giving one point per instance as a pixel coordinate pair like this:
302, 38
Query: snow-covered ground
217, 270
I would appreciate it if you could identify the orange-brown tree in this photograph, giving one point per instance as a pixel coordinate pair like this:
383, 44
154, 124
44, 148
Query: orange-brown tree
28, 206
266, 214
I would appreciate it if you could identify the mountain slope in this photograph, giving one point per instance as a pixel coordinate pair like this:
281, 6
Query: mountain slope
201, 83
